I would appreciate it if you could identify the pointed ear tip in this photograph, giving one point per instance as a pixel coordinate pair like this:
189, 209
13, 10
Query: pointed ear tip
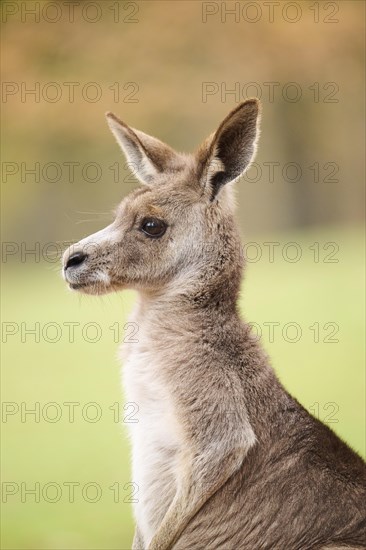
253, 102
113, 121
110, 116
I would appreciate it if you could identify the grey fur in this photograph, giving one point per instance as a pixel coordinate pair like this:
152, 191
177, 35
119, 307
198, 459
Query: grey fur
238, 463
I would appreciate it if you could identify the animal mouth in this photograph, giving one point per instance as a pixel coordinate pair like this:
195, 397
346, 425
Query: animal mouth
76, 286
90, 287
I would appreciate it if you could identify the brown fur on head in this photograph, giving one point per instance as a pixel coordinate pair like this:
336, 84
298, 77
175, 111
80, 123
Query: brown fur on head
177, 228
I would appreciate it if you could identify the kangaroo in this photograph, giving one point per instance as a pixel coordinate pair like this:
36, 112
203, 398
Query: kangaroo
223, 456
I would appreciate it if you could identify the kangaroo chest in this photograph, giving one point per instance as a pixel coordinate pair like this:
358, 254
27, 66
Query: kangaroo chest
154, 436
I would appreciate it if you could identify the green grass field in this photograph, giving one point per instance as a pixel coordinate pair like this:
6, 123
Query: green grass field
323, 368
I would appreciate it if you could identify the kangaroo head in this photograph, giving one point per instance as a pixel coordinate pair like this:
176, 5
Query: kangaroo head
177, 229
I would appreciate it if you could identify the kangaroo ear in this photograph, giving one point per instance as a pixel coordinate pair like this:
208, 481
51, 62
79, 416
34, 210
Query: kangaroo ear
226, 154
146, 155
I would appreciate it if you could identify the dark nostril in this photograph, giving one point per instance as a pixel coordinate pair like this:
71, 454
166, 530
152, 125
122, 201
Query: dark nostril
75, 259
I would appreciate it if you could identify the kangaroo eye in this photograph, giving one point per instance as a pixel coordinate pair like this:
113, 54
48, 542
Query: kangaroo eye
153, 227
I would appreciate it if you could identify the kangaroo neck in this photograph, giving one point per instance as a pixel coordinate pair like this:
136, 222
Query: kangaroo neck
191, 303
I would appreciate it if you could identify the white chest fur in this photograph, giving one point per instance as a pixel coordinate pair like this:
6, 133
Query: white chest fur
155, 437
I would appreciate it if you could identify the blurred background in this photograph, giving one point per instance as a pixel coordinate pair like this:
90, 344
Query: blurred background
174, 70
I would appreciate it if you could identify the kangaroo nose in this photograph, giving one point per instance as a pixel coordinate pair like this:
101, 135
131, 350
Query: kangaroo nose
75, 259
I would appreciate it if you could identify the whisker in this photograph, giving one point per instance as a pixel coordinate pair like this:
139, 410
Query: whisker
93, 212
88, 221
